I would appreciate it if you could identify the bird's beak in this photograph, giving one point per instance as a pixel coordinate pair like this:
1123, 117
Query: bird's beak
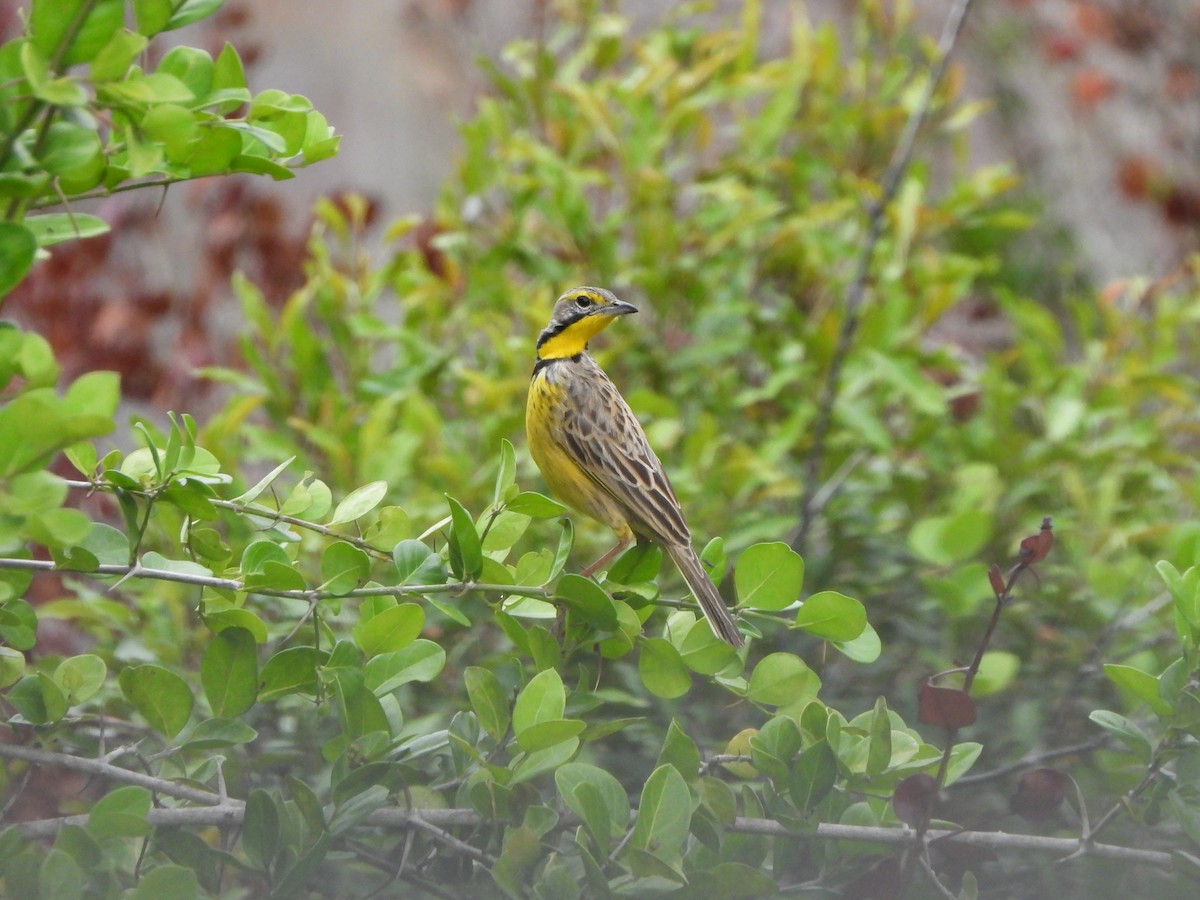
620, 308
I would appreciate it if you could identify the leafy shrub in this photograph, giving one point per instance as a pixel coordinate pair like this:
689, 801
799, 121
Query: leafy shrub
371, 653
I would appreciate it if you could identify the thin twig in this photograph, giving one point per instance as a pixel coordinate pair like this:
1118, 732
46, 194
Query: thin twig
232, 584
942, 890
255, 511
444, 837
116, 773
857, 292
1030, 760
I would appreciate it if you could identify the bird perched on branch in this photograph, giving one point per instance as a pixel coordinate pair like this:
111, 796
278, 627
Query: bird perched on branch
594, 454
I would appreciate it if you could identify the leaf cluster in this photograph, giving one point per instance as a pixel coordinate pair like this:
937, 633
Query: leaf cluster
89, 107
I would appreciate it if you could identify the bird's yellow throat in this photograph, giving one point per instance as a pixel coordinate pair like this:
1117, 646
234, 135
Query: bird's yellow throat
573, 338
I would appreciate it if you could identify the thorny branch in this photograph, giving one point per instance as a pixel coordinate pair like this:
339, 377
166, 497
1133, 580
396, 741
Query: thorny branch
229, 812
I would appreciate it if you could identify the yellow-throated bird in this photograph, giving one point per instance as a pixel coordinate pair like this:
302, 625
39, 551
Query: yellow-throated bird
592, 450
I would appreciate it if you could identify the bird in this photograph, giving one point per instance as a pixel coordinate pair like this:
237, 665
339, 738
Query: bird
593, 452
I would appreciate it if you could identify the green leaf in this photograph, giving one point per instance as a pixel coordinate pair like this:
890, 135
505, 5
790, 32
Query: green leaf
542, 700
641, 562
1141, 685
504, 531
212, 733
192, 11
359, 709
192, 66
261, 832
1186, 808
258, 553
51, 21
291, 671
253, 494
114, 60
390, 630
863, 649
353, 810
774, 747
80, 677
233, 617
121, 812
550, 733
18, 245
536, 506
465, 546
359, 502
702, 651
832, 616
1126, 730
421, 661
18, 625
782, 678
344, 567
161, 696
416, 563
946, 540
307, 802
506, 477
229, 672
38, 699
997, 670
12, 666
156, 562
596, 797
228, 72
175, 882
566, 540
588, 601
879, 741
173, 126
769, 576
664, 815
59, 878
68, 148
661, 669
152, 15
488, 700
813, 776
680, 751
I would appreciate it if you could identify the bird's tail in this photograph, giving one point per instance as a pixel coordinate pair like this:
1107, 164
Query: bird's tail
711, 603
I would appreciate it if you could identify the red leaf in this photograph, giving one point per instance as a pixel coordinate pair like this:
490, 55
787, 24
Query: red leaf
1093, 20
1060, 47
914, 798
948, 707
1137, 175
1090, 86
996, 577
1036, 547
1039, 794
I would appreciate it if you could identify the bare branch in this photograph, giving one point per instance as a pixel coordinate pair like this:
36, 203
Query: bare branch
431, 820
232, 584
107, 770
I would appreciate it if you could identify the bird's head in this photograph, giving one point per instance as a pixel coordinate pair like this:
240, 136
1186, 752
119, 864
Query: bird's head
579, 315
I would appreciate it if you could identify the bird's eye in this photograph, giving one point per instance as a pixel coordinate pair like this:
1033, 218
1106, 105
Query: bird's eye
583, 301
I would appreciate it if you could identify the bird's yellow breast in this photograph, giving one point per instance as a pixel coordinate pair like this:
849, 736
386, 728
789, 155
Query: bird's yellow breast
544, 411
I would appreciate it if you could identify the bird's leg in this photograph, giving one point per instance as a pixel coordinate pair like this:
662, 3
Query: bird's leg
622, 543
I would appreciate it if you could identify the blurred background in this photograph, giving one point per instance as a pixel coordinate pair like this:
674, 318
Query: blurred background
1096, 101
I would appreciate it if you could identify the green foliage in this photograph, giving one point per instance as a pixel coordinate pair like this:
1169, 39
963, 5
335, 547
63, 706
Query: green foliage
81, 115
385, 627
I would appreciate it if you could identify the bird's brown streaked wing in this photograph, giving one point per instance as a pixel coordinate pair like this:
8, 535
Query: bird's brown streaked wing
607, 441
